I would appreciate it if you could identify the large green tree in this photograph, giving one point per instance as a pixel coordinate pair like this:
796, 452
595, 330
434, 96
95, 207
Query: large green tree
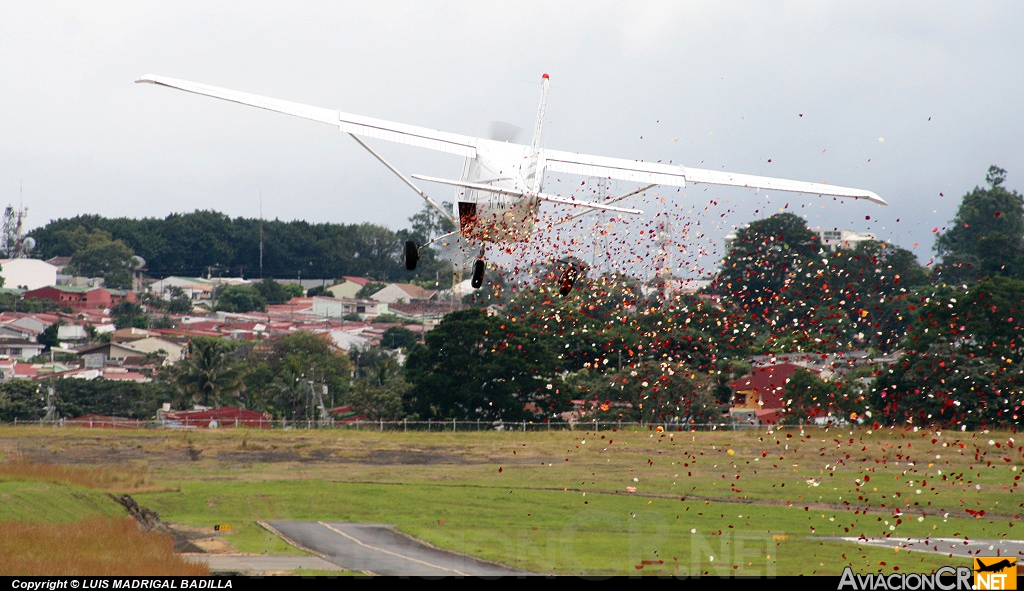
848, 299
986, 238
211, 375
239, 298
478, 366
763, 262
282, 371
964, 360
380, 386
277, 293
96, 254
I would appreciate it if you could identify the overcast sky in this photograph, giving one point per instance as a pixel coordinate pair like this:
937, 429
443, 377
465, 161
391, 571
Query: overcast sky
913, 100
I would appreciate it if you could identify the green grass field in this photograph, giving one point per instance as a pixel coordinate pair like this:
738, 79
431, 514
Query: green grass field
625, 502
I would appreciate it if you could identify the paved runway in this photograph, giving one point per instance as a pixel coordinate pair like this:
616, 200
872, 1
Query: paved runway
947, 546
380, 550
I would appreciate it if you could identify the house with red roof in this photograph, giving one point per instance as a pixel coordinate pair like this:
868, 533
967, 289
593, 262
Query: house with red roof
759, 397
95, 421
81, 298
225, 416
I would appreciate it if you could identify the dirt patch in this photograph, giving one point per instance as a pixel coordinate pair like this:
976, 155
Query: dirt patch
175, 452
204, 540
148, 520
406, 457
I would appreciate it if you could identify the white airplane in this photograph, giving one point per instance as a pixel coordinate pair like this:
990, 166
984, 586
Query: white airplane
502, 184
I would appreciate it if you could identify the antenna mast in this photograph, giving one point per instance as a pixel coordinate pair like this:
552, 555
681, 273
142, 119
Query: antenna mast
13, 242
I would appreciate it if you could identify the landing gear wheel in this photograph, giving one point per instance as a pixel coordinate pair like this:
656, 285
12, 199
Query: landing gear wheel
412, 255
567, 281
478, 274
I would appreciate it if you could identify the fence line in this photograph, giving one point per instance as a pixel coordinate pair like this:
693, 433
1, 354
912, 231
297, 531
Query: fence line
404, 425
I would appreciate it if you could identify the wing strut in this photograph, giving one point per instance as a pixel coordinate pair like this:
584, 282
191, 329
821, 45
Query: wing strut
405, 179
607, 202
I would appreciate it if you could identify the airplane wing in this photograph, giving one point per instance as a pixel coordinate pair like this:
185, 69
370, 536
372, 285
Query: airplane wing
412, 135
649, 173
656, 173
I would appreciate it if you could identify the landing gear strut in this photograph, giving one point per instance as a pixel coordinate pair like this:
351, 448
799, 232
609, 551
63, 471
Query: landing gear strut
412, 255
478, 274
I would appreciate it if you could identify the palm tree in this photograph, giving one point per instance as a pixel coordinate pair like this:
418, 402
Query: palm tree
209, 373
287, 393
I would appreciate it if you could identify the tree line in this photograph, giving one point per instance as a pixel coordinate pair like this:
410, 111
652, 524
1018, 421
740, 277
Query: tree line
208, 243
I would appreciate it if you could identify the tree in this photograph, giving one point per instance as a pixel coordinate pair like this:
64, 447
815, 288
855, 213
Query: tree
180, 302
593, 323
96, 254
763, 261
210, 374
282, 369
21, 400
964, 360
428, 223
369, 289
808, 397
10, 302
239, 298
380, 387
49, 336
399, 337
660, 390
873, 283
477, 366
379, 401
112, 398
273, 292
128, 315
986, 238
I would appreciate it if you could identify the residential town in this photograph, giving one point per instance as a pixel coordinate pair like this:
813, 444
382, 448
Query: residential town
87, 342
87, 330
797, 325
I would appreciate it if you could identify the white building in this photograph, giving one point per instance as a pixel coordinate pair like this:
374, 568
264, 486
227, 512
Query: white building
173, 351
831, 238
339, 308
27, 273
397, 293
834, 238
194, 287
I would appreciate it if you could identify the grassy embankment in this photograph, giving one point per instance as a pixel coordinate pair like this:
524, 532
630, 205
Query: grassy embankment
626, 502
57, 520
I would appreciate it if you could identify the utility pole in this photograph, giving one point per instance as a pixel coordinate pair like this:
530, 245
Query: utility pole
261, 233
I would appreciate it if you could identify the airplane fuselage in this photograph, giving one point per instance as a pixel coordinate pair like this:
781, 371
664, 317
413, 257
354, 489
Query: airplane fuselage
497, 217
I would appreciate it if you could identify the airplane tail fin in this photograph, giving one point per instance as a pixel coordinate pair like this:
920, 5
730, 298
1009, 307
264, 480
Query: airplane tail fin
535, 145
544, 80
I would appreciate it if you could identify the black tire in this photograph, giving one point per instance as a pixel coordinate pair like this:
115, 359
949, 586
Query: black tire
478, 274
412, 255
